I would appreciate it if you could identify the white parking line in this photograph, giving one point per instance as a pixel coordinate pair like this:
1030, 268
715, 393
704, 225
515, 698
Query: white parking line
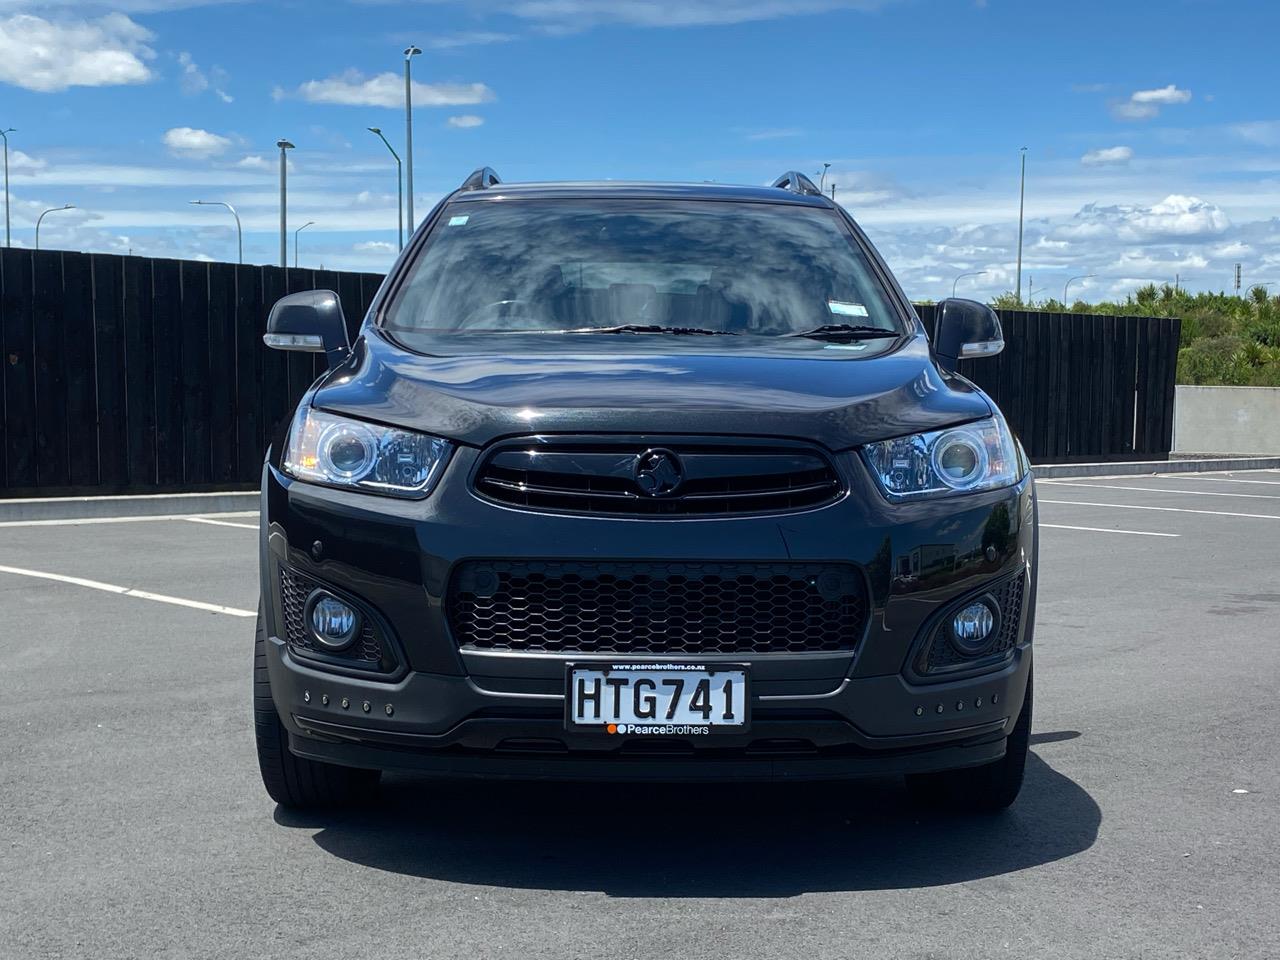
1199, 476
1135, 533
128, 591
1188, 493
86, 521
1135, 506
223, 523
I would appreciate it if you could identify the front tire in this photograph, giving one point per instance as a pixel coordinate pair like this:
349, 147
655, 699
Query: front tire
290, 780
989, 788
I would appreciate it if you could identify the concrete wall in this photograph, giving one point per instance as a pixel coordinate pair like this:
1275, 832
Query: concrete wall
1240, 420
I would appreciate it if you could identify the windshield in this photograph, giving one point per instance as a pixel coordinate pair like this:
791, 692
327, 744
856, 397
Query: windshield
578, 267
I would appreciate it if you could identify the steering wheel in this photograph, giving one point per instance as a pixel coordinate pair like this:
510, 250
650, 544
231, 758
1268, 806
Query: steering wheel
506, 315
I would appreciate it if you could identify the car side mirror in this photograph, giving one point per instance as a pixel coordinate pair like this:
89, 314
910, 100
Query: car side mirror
964, 330
311, 322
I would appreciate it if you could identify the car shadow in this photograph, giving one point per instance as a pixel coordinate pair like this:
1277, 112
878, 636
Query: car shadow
700, 840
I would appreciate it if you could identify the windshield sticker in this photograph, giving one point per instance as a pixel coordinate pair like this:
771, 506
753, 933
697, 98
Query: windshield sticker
462, 222
842, 308
844, 346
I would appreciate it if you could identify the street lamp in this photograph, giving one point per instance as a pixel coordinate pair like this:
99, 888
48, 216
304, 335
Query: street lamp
822, 181
399, 185
1022, 193
295, 241
976, 273
239, 232
68, 206
1071, 280
4, 135
284, 221
409, 53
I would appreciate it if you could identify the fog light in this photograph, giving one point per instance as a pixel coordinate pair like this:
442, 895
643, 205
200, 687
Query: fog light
333, 622
972, 627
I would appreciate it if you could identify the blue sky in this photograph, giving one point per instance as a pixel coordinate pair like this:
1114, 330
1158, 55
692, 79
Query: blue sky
1153, 130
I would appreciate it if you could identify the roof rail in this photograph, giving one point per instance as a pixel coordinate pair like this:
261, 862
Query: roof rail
797, 182
482, 179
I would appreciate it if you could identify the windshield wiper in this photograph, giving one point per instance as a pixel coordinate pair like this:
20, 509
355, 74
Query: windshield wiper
649, 328
844, 331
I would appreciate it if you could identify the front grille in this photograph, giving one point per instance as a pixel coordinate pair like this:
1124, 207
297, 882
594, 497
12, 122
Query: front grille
656, 607
368, 652
602, 478
939, 656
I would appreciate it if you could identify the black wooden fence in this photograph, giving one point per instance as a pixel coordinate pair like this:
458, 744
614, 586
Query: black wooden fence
124, 374
1082, 387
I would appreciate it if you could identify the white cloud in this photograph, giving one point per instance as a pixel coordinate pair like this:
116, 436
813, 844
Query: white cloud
373, 246
1176, 217
1235, 248
52, 55
194, 81
387, 90
191, 142
465, 121
1162, 95
470, 39
1128, 110
1107, 155
1145, 104
1265, 133
861, 190
572, 16
369, 198
19, 161
254, 162
1125, 244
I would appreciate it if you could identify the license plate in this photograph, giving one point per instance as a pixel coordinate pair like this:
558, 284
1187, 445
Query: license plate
656, 699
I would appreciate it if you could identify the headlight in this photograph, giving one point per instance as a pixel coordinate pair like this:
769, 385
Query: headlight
977, 456
338, 452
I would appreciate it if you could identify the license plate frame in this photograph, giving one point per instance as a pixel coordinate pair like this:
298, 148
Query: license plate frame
659, 725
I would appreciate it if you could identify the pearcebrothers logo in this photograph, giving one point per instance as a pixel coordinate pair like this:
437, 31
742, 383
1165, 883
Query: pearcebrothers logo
659, 729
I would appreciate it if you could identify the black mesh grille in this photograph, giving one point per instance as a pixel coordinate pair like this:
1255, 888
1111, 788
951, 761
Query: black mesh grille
367, 651
939, 656
601, 478
657, 607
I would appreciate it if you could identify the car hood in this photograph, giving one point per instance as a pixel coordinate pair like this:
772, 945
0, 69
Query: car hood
642, 387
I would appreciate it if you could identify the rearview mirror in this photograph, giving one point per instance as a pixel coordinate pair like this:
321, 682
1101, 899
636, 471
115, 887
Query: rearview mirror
311, 322
964, 330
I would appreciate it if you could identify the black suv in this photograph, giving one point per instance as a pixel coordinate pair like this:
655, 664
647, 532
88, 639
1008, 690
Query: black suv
643, 481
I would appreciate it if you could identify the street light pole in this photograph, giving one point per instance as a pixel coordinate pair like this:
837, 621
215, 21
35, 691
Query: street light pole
1022, 192
975, 273
239, 232
1070, 281
295, 241
399, 186
4, 135
69, 206
284, 220
409, 53
822, 181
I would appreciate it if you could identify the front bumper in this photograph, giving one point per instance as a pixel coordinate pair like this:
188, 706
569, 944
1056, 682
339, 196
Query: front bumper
454, 712
484, 733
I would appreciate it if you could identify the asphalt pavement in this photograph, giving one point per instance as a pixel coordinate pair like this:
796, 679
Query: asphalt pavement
133, 822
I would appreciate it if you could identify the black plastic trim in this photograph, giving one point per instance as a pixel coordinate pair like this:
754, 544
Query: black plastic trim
935, 629
336, 662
